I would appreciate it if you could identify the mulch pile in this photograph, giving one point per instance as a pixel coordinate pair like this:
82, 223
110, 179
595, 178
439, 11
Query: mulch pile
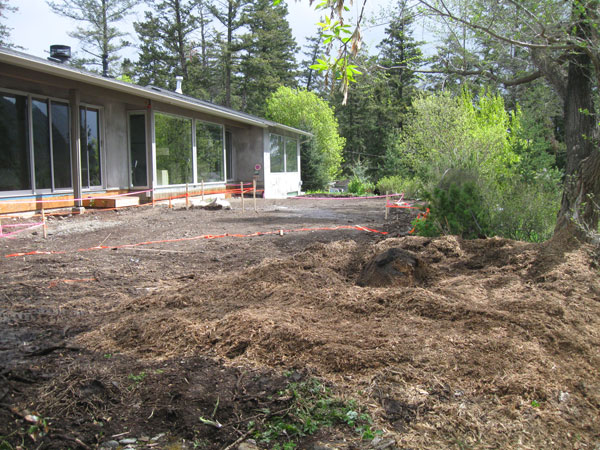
497, 347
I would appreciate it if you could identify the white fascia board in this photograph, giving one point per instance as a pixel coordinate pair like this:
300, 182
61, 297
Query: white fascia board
119, 86
291, 129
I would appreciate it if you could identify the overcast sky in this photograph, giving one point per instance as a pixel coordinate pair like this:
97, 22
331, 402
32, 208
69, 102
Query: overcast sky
35, 27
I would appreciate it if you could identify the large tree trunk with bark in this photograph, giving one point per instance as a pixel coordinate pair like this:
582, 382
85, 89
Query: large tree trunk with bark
580, 205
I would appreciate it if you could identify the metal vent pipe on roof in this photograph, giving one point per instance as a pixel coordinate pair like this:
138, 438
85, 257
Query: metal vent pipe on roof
60, 53
179, 79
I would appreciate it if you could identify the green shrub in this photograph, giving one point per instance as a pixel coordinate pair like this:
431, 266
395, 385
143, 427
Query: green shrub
359, 186
459, 210
396, 184
527, 211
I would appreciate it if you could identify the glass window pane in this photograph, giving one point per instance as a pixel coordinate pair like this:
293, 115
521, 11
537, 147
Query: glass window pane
41, 144
137, 146
93, 146
291, 155
173, 149
61, 145
276, 153
14, 149
209, 151
85, 182
229, 154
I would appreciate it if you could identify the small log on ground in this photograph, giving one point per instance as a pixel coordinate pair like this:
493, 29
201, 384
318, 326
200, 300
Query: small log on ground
394, 267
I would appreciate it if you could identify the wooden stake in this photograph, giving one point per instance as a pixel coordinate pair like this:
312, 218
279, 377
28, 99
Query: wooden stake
152, 193
0, 227
386, 204
202, 190
242, 192
187, 196
254, 193
170, 203
44, 222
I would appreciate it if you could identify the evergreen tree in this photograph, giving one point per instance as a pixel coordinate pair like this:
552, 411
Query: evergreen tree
166, 46
399, 56
312, 79
99, 36
268, 60
228, 13
372, 116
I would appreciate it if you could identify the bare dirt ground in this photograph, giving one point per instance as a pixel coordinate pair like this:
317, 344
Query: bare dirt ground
190, 342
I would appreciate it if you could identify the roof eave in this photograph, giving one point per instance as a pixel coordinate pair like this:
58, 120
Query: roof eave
120, 86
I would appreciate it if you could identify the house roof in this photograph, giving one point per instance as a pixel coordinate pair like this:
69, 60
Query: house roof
24, 60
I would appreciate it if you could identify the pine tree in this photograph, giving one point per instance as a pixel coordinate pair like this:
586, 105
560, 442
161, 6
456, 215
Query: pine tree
166, 46
312, 79
372, 116
399, 55
99, 36
268, 61
228, 13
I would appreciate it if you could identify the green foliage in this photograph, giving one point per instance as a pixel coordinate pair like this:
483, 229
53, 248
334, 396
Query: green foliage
315, 175
268, 60
137, 378
453, 139
306, 111
312, 407
99, 34
458, 209
445, 132
396, 184
165, 43
360, 186
527, 210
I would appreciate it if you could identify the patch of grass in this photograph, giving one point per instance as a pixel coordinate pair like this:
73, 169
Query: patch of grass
312, 407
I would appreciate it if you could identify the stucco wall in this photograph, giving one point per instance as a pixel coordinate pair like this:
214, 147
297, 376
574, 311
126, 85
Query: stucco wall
248, 152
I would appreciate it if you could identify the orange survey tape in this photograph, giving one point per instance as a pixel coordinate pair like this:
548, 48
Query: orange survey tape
400, 203
204, 236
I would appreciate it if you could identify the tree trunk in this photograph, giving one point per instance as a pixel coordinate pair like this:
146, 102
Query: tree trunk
580, 208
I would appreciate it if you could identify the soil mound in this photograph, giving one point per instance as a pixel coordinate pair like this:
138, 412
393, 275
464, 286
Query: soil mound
394, 267
498, 346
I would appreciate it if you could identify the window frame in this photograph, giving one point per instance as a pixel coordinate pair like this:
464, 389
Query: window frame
195, 152
101, 139
283, 141
137, 112
48, 99
194, 122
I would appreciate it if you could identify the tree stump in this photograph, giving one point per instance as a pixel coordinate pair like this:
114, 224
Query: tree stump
394, 267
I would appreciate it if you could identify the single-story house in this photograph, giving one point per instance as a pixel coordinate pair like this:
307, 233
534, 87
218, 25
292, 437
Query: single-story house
69, 134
